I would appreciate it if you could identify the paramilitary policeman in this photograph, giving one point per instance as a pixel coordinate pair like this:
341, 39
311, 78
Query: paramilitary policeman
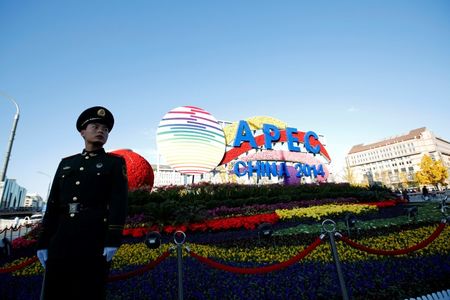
86, 210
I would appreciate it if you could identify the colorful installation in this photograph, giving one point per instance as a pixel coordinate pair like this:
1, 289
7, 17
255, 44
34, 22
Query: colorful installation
268, 148
191, 140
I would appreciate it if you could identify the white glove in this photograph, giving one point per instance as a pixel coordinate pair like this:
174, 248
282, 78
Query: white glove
43, 256
109, 252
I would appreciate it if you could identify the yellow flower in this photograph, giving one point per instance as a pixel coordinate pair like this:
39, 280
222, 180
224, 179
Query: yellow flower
319, 212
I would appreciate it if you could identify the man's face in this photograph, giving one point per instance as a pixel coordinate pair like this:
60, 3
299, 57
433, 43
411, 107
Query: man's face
95, 133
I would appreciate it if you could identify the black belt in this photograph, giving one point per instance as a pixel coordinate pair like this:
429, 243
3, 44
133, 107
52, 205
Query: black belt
75, 208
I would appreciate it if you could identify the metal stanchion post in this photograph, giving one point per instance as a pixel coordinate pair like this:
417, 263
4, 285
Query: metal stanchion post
41, 297
180, 261
331, 230
180, 271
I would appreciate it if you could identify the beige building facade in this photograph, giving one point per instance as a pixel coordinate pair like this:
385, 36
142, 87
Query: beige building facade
394, 161
33, 200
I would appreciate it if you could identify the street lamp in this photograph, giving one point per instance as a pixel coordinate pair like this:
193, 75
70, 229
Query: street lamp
49, 183
350, 222
265, 230
412, 212
11, 139
153, 240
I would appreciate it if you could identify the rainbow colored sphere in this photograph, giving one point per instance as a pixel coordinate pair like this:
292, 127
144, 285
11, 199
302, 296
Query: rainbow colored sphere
190, 140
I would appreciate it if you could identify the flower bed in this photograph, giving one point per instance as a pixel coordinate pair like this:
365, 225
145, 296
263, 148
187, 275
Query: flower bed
224, 211
139, 229
22, 242
367, 276
319, 212
397, 278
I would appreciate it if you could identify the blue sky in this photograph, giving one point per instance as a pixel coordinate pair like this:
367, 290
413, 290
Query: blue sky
354, 71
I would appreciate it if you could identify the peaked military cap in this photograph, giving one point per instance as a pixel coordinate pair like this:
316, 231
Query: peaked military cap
96, 114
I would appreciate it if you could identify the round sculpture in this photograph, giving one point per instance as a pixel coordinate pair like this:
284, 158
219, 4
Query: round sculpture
139, 171
190, 140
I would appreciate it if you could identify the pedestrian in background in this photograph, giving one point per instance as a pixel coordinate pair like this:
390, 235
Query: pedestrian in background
86, 210
405, 195
425, 193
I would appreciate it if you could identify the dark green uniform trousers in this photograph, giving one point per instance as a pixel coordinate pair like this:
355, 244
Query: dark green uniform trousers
80, 279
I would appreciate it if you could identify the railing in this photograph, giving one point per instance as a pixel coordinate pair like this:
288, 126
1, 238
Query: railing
18, 211
13, 232
442, 295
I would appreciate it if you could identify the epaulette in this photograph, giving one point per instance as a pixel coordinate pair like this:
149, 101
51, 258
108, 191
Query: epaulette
71, 156
115, 155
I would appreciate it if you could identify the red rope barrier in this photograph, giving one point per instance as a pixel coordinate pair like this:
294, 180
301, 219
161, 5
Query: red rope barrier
6, 229
19, 266
258, 270
15, 228
416, 247
139, 271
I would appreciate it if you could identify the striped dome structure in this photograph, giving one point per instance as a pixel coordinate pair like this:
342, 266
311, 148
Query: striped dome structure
191, 140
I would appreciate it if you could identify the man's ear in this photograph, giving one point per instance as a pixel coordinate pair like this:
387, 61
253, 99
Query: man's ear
82, 132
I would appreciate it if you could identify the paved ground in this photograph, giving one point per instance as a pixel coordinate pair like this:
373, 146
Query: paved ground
433, 198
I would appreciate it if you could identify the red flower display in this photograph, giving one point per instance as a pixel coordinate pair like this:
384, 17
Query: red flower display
247, 222
139, 171
22, 242
387, 203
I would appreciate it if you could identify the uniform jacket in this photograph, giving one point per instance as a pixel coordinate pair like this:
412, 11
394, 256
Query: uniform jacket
86, 208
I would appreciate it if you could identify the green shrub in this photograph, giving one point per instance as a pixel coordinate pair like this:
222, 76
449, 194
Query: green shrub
175, 204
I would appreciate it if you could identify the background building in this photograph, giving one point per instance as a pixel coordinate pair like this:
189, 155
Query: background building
12, 194
393, 161
165, 175
34, 201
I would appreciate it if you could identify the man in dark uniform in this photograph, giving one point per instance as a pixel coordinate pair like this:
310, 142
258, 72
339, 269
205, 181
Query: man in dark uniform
86, 210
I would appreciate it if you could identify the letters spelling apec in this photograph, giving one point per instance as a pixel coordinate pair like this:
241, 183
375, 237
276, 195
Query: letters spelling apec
272, 134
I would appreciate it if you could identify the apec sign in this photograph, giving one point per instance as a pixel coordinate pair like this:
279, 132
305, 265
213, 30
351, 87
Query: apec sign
244, 140
272, 134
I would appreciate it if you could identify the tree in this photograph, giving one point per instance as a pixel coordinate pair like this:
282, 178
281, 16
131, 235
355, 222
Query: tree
431, 172
349, 175
404, 179
385, 179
